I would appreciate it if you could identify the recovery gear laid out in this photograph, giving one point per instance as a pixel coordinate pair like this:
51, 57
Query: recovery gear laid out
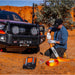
29, 63
54, 51
52, 62
41, 61
55, 62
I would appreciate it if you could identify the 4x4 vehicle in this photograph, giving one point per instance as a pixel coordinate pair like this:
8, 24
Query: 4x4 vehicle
17, 35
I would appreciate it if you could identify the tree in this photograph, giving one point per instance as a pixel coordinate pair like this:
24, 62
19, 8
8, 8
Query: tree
53, 9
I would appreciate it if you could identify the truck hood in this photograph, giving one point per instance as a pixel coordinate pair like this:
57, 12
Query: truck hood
11, 21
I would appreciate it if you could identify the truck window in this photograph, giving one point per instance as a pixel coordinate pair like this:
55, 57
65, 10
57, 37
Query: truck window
3, 16
16, 18
10, 16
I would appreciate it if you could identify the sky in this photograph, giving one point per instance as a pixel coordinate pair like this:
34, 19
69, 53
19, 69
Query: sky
19, 2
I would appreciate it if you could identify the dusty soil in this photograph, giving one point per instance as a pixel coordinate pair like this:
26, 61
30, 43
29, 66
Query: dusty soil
12, 63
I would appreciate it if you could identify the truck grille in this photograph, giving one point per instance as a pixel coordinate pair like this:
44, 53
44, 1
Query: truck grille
20, 34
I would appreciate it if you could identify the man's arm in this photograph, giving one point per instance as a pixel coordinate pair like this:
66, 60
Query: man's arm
52, 29
49, 30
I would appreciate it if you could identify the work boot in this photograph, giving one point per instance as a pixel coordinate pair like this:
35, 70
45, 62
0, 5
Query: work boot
65, 55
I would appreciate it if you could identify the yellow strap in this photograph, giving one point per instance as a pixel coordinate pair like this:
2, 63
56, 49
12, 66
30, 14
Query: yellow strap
51, 45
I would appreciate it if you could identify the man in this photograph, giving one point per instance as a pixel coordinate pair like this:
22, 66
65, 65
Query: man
60, 37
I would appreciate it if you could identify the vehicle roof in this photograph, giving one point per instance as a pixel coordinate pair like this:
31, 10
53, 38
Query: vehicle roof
4, 11
9, 12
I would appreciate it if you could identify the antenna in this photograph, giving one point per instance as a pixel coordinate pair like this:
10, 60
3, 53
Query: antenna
33, 15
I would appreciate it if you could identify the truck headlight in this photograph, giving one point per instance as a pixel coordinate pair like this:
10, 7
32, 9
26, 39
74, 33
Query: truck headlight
3, 38
2, 26
34, 31
15, 30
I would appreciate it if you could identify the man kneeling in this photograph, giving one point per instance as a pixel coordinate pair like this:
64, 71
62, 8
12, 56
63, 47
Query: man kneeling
60, 37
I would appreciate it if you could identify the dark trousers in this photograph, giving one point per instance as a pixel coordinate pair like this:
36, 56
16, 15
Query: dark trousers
60, 52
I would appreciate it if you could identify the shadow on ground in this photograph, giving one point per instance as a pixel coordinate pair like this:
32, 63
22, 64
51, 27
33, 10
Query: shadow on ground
27, 51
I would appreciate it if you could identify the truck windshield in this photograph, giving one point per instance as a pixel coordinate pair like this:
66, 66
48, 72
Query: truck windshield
10, 16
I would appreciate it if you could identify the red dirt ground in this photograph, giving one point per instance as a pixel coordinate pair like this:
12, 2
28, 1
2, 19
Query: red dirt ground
12, 63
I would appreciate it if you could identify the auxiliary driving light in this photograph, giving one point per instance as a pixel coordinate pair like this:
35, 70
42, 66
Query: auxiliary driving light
34, 31
15, 30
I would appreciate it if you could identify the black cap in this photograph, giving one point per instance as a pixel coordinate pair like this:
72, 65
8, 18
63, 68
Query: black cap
58, 22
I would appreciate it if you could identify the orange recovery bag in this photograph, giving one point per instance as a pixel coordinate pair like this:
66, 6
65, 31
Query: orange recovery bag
29, 63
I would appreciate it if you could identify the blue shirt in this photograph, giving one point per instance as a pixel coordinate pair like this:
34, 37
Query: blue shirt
60, 35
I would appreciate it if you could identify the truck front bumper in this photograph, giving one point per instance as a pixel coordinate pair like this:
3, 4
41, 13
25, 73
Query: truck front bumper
21, 40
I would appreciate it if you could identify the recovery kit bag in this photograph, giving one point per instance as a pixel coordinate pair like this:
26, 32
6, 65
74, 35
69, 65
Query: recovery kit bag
29, 63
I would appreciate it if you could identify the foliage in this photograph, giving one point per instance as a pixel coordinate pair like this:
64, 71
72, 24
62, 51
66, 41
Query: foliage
54, 9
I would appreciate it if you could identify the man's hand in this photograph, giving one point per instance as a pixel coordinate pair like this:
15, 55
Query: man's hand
51, 41
49, 30
58, 42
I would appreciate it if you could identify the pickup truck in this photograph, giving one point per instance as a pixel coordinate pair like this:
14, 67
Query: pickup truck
18, 35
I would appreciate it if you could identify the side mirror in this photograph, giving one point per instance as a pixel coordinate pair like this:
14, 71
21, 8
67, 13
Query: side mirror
25, 20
